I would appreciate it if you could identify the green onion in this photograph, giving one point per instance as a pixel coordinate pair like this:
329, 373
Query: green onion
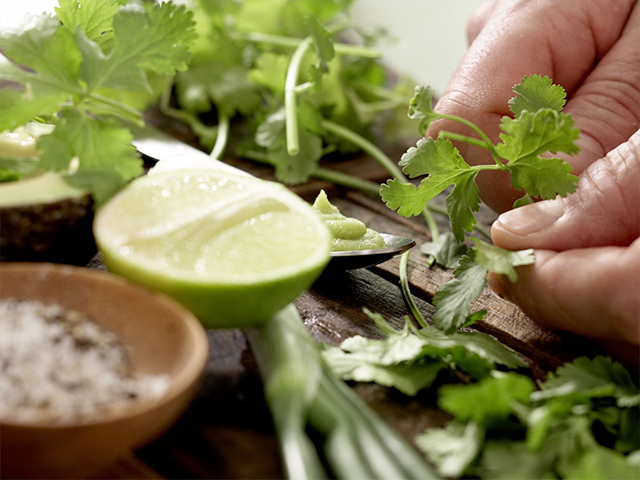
303, 393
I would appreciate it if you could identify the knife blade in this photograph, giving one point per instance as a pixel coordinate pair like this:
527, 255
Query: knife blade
173, 154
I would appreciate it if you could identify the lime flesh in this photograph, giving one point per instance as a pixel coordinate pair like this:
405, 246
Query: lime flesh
232, 249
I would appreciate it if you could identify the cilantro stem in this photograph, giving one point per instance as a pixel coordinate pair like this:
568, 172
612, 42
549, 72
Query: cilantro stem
487, 142
223, 136
384, 160
327, 174
463, 138
339, 48
406, 292
381, 157
185, 116
128, 112
304, 87
290, 99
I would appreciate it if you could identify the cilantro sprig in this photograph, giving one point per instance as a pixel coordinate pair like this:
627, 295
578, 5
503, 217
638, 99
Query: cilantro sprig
88, 71
539, 127
582, 422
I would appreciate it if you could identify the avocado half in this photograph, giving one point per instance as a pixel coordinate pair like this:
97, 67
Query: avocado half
45, 219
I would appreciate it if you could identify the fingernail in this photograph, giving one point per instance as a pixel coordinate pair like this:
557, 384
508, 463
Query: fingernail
532, 218
499, 287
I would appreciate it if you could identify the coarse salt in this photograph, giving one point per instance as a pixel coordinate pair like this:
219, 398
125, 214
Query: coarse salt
57, 365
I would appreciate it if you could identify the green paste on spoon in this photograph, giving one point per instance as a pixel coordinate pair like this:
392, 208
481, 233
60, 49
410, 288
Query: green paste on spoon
348, 233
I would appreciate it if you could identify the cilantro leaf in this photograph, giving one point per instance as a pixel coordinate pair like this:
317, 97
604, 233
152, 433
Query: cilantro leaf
229, 87
399, 346
270, 70
406, 198
410, 359
444, 166
289, 169
322, 43
46, 49
102, 145
93, 17
505, 460
531, 135
487, 402
296, 169
20, 106
499, 260
454, 448
446, 250
462, 202
601, 463
474, 345
395, 361
535, 92
160, 38
598, 377
408, 378
453, 299
420, 108
157, 40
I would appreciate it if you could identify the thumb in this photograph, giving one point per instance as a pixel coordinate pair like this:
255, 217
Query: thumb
605, 210
593, 292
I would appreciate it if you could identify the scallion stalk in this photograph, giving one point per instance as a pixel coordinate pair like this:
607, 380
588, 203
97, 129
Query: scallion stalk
303, 392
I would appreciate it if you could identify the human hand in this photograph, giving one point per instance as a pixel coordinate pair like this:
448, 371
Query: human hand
590, 48
586, 278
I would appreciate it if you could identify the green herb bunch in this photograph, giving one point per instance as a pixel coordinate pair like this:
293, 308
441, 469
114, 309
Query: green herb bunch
279, 66
88, 70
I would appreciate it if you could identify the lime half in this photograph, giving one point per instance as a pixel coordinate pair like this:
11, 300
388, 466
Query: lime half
232, 249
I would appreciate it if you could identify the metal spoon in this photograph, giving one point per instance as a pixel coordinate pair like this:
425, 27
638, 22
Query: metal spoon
172, 154
352, 259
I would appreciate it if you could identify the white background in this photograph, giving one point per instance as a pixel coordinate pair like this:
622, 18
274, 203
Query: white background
431, 33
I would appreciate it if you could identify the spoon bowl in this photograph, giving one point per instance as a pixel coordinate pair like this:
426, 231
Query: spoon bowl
352, 259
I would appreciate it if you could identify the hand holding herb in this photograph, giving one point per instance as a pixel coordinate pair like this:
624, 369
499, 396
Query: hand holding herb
586, 277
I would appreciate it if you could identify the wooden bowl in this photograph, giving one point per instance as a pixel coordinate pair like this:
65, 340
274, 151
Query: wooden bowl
161, 336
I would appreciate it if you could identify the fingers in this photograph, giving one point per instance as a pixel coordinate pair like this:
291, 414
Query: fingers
605, 210
586, 277
593, 292
479, 19
606, 106
564, 40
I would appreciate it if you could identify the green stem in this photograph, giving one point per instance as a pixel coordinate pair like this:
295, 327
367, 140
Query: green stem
327, 174
339, 48
364, 144
346, 180
303, 87
129, 112
384, 160
483, 136
463, 138
223, 136
404, 283
183, 116
290, 100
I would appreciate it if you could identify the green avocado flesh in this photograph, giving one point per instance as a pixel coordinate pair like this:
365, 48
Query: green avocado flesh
348, 233
42, 217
